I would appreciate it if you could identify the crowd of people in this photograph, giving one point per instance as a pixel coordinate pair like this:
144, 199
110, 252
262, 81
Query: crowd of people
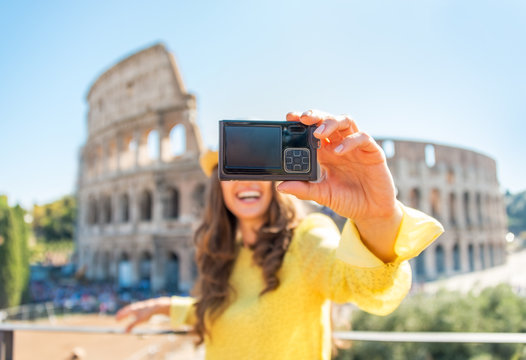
84, 297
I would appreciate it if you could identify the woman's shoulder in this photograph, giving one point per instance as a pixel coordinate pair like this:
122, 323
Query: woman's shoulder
314, 230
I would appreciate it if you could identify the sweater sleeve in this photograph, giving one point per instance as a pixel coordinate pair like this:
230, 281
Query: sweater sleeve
341, 267
182, 311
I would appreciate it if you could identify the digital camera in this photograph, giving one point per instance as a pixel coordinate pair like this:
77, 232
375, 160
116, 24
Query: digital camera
267, 150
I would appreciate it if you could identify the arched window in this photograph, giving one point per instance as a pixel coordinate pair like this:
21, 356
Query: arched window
452, 209
153, 144
389, 148
171, 208
146, 205
467, 214
125, 271
93, 216
478, 202
199, 197
178, 140
420, 267
106, 210
456, 258
172, 273
414, 198
435, 203
440, 259
471, 257
125, 208
482, 254
145, 269
430, 155
492, 255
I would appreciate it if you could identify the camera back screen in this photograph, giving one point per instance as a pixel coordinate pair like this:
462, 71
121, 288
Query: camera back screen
257, 147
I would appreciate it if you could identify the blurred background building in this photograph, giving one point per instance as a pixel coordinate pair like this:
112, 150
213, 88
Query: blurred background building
140, 187
141, 190
458, 187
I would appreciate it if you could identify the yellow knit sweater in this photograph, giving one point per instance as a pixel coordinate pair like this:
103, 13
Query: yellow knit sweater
293, 321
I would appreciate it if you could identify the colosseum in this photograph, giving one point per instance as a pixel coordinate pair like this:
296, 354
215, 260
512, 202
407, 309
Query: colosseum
140, 188
459, 187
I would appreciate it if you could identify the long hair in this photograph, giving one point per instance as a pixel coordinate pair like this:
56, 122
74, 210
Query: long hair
216, 251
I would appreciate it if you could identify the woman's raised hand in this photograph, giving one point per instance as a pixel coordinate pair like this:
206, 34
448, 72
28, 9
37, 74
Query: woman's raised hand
142, 311
356, 182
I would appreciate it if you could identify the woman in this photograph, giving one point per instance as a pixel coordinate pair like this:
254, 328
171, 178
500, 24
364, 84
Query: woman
266, 279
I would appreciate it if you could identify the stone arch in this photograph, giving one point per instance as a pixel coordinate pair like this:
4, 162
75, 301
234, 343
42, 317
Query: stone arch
478, 204
177, 140
172, 204
389, 148
107, 213
144, 150
127, 156
105, 264
198, 197
146, 205
153, 139
435, 199
440, 259
430, 156
466, 200
482, 255
172, 272
420, 267
124, 207
145, 269
113, 156
93, 211
125, 271
471, 257
452, 205
415, 198
457, 266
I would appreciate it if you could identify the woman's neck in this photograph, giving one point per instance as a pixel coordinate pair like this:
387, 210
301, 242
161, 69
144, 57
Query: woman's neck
248, 230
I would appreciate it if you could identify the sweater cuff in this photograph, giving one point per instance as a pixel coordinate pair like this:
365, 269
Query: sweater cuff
417, 231
179, 310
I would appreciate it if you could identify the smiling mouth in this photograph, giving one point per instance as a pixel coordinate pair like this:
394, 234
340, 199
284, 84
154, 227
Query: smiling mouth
248, 195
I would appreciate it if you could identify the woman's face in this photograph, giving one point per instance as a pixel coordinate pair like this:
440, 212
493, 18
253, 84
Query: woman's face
247, 200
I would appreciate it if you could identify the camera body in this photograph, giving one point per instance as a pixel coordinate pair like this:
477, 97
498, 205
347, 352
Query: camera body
267, 150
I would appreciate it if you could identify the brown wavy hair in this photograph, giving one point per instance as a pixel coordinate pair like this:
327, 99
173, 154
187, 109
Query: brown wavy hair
217, 250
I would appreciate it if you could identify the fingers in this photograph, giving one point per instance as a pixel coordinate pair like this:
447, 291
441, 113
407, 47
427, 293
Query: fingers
357, 140
130, 327
303, 190
293, 116
123, 313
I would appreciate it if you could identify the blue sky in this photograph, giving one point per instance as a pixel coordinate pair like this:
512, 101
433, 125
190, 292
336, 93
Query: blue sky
451, 72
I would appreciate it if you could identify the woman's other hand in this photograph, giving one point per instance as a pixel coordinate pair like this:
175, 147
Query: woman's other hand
142, 311
356, 182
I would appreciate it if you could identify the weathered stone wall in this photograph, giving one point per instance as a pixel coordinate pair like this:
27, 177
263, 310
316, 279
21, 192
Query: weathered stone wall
140, 187
460, 188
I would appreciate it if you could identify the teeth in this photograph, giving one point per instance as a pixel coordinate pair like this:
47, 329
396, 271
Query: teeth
248, 194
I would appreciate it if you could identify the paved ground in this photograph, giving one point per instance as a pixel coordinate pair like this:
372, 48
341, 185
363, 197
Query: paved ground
59, 346
512, 272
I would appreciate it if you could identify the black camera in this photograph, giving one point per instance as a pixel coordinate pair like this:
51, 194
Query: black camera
267, 150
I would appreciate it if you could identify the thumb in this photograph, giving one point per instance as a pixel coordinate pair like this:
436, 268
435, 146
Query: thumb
301, 189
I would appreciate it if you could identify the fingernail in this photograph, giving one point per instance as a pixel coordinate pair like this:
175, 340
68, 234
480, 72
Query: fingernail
320, 129
338, 149
307, 113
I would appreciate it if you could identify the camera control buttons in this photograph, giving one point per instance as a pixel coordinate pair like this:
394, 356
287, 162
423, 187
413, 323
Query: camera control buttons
297, 160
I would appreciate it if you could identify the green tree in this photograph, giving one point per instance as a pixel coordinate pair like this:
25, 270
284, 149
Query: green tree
14, 266
55, 221
495, 309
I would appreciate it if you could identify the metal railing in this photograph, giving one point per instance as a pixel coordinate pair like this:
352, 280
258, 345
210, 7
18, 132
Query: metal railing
7, 334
